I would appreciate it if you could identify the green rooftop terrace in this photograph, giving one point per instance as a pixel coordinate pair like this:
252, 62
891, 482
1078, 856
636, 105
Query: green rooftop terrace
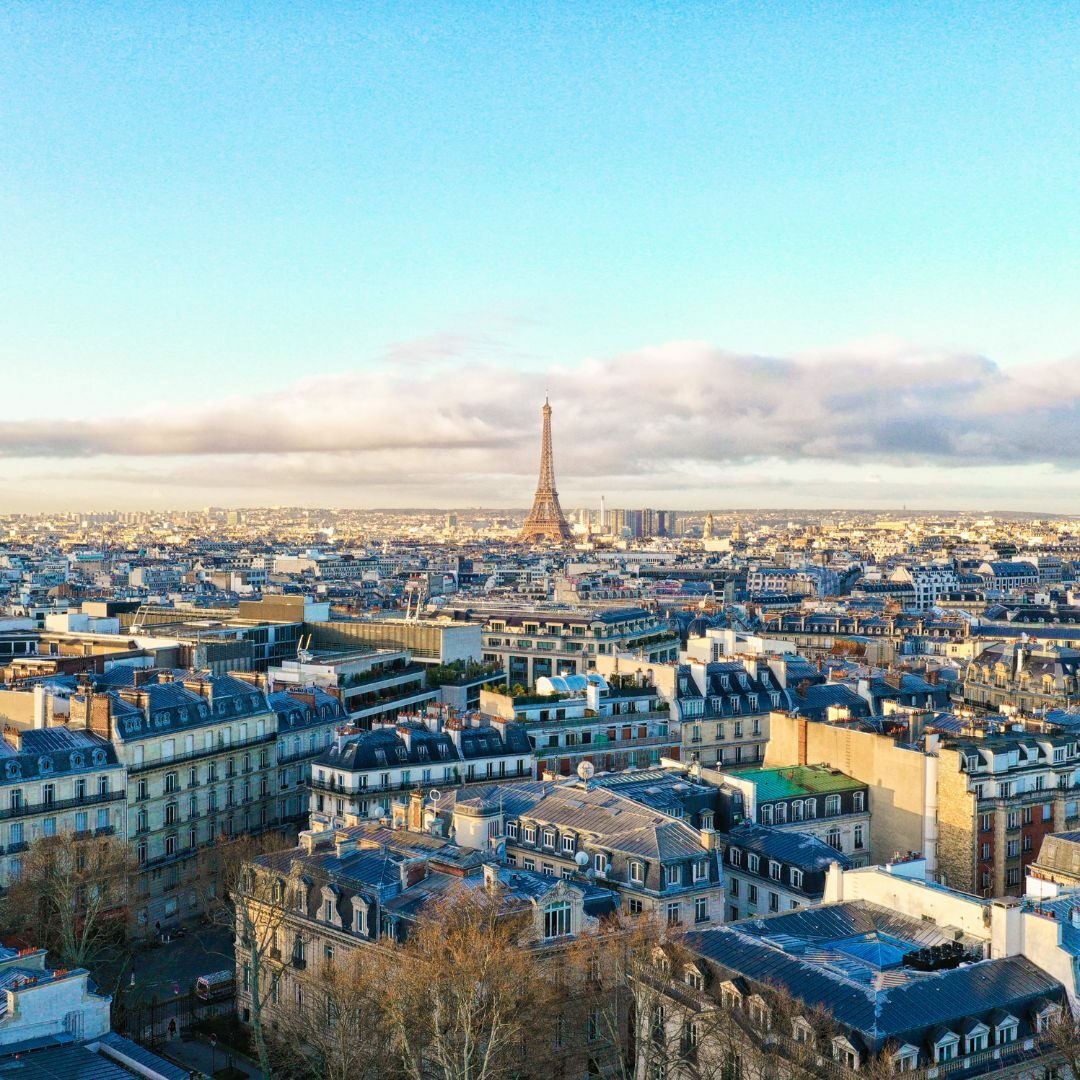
792, 781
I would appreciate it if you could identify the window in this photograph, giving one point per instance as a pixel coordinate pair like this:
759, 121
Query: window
549, 838
1006, 1031
701, 909
528, 864
674, 913
859, 842
945, 1049
976, 1039
568, 844
733, 886
547, 868
600, 863
328, 910
701, 870
557, 920
512, 830
767, 814
693, 978
832, 838
735, 856
774, 870
832, 805
907, 1060
859, 802
529, 834
774, 902
673, 875
637, 872
751, 894
796, 878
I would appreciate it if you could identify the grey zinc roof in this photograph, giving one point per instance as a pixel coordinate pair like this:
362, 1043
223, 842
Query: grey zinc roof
844, 959
615, 822
797, 849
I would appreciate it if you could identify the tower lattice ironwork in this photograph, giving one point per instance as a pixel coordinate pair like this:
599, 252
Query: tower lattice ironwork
545, 520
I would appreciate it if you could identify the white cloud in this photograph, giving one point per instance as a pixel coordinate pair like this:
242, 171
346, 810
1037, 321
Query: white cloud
440, 418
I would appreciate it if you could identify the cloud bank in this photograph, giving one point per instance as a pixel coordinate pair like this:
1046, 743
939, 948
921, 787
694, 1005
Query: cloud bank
674, 417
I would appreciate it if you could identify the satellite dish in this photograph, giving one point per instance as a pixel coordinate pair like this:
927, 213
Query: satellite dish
586, 770
435, 795
582, 858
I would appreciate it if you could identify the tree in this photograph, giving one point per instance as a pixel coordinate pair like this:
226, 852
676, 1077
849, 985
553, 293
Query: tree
465, 992
1060, 1040
243, 895
71, 897
340, 1031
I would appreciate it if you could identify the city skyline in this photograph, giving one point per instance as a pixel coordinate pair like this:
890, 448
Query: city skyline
770, 256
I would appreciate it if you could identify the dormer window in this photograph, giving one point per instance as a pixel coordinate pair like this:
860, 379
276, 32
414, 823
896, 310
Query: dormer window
637, 872
946, 1047
568, 844
693, 977
759, 1013
557, 920
1005, 1030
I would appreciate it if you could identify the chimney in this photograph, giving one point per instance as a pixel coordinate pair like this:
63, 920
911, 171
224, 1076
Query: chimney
43, 706
803, 733
13, 737
491, 876
344, 844
708, 839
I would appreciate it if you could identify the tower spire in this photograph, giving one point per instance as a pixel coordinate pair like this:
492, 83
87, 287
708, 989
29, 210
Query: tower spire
545, 520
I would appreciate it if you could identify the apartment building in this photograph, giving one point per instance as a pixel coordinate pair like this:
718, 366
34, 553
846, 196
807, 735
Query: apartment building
533, 644
611, 724
359, 774
1026, 676
374, 685
812, 799
307, 721
768, 870
56, 782
928, 581
975, 804
199, 752
654, 862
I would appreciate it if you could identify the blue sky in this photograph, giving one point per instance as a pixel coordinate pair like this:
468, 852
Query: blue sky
212, 203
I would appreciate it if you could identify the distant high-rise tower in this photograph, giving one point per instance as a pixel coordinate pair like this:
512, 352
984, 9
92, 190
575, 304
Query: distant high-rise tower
545, 520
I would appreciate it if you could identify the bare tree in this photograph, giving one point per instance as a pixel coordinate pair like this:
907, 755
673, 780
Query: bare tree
1060, 1040
340, 1031
71, 897
251, 900
466, 991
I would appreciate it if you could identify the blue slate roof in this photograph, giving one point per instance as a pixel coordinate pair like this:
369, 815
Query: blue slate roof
58, 751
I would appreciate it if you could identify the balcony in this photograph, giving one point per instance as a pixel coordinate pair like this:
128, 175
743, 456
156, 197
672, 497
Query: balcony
217, 749
29, 809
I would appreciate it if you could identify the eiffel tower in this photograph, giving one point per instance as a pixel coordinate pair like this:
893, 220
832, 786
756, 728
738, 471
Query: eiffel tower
545, 520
